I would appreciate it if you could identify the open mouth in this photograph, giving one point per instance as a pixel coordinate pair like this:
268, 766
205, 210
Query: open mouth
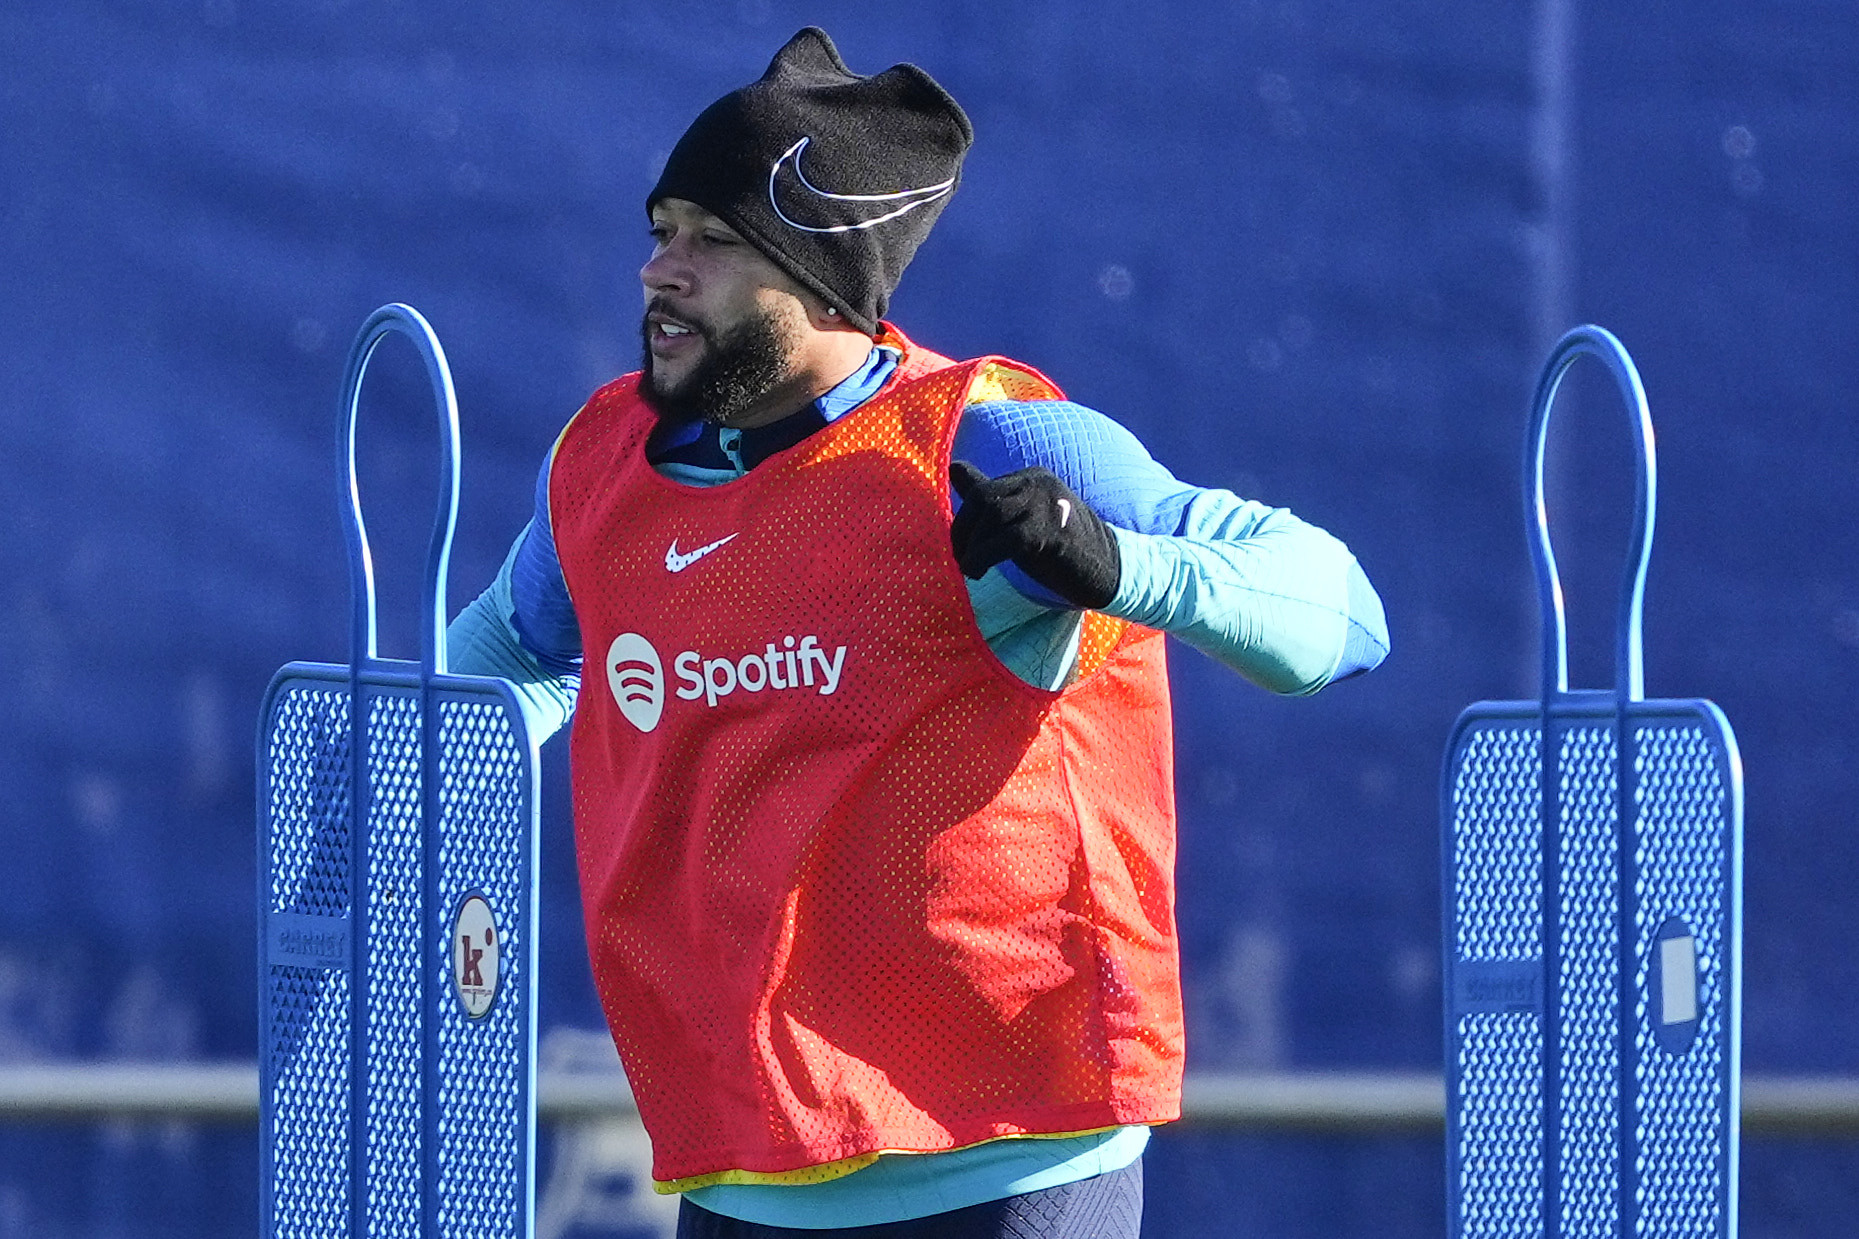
667, 333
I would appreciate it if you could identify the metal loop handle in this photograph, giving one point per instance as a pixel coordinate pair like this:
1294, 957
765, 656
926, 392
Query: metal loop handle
411, 324
1629, 672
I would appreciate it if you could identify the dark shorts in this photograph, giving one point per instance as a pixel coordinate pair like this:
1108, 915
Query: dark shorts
1107, 1206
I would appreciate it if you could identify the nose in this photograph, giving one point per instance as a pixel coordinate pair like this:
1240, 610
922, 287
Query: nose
665, 272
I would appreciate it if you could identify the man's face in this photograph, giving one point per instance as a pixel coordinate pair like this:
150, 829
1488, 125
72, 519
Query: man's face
722, 322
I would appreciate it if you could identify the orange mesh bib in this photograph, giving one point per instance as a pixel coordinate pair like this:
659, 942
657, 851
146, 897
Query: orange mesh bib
851, 885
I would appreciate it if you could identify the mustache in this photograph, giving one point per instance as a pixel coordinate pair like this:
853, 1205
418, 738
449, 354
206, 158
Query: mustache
658, 305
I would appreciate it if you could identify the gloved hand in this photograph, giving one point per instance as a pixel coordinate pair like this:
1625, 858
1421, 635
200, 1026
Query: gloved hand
1034, 519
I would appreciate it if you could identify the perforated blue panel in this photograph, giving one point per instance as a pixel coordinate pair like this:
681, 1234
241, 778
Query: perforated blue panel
1496, 856
1687, 1119
1495, 860
1673, 1172
1497, 1140
1590, 899
306, 772
392, 1145
459, 1164
307, 1117
484, 1064
308, 808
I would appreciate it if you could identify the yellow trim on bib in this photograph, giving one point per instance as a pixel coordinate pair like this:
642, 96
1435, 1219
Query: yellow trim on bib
998, 382
823, 1173
828, 1171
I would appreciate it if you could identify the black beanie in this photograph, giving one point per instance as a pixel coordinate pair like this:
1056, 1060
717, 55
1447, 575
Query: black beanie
835, 177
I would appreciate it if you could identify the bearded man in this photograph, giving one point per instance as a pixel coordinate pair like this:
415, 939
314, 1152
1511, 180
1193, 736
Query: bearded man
873, 778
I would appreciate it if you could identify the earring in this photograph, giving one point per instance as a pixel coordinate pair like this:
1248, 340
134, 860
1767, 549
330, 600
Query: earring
832, 311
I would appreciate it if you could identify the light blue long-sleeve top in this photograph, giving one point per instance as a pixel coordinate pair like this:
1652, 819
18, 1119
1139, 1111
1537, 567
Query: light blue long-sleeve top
1277, 599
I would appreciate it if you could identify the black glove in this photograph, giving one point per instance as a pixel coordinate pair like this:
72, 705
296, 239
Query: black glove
1035, 520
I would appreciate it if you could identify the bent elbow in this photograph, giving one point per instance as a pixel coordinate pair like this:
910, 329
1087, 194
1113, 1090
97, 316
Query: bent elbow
1365, 636
1363, 644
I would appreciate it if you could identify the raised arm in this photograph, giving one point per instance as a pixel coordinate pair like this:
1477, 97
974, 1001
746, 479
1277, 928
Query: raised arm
1276, 598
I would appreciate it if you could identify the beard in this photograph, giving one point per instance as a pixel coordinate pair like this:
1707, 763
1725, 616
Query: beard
738, 368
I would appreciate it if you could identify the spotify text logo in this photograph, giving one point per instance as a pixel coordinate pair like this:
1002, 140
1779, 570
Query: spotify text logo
636, 674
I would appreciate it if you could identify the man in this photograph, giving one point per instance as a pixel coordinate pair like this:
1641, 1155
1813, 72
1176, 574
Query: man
874, 807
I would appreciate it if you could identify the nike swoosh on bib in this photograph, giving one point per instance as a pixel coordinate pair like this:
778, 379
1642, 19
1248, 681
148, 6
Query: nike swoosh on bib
676, 562
811, 201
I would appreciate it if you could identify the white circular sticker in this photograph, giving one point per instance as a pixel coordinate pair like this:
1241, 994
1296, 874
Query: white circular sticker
476, 944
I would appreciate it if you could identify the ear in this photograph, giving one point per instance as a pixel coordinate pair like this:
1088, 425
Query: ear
824, 317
